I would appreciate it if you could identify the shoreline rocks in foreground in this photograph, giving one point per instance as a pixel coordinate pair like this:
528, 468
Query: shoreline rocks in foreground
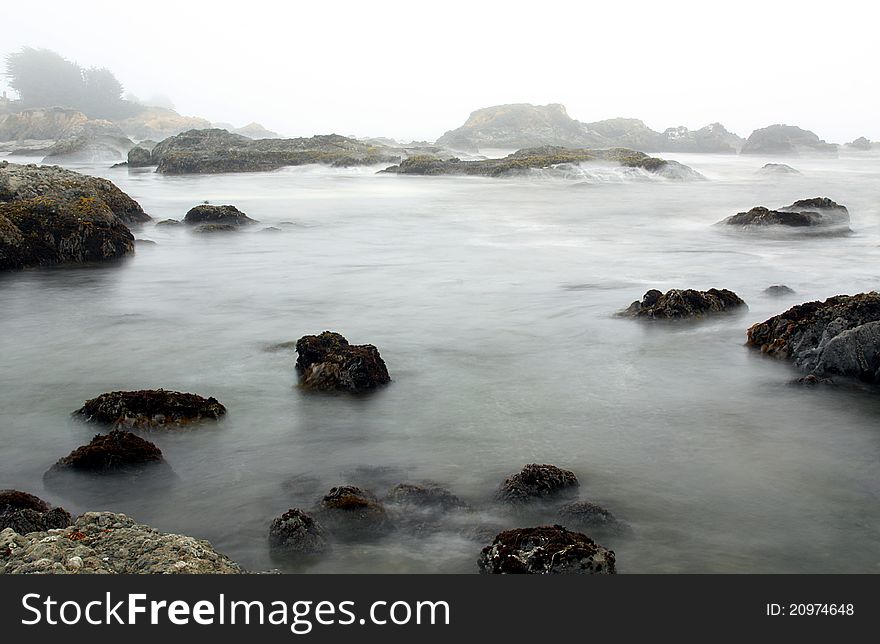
23, 513
837, 337
327, 362
149, 408
545, 550
819, 215
105, 542
113, 452
678, 304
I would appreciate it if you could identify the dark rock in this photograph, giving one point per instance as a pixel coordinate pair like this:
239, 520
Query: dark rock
860, 143
545, 550
206, 214
428, 495
678, 304
139, 157
214, 150
352, 513
149, 408
118, 450
327, 362
819, 215
169, 222
535, 482
787, 140
26, 513
23, 182
837, 337
812, 380
585, 515
777, 169
778, 290
144, 242
297, 533
90, 142
16, 500
216, 228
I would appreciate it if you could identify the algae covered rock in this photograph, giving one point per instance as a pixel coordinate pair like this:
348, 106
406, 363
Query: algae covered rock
545, 550
296, 533
818, 215
327, 362
208, 214
352, 513
113, 452
536, 481
149, 408
24, 513
677, 304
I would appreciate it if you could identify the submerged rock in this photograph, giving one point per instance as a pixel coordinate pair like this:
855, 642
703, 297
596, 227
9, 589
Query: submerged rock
585, 515
24, 513
149, 408
296, 533
545, 550
678, 304
428, 495
820, 215
837, 337
139, 157
104, 542
778, 290
535, 482
169, 222
207, 214
118, 450
777, 169
327, 362
787, 140
350, 512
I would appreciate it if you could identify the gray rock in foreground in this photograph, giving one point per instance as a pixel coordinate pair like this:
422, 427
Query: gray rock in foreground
109, 543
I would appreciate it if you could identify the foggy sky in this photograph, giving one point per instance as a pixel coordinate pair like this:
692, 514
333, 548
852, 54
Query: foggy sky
412, 70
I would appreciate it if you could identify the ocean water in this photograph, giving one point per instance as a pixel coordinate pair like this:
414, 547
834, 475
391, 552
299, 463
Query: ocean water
492, 302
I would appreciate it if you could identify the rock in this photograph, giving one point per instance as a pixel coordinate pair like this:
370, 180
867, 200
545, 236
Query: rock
91, 142
428, 495
777, 169
585, 515
206, 214
860, 143
837, 337
44, 230
270, 229
144, 242
714, 138
545, 550
529, 159
118, 450
327, 362
20, 182
353, 514
256, 131
678, 304
787, 140
104, 542
297, 533
139, 157
536, 482
812, 380
819, 215
52, 123
159, 123
24, 513
149, 408
216, 228
778, 290
214, 150
169, 222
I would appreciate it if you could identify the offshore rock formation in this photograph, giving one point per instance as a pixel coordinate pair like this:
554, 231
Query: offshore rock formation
295, 533
327, 362
207, 214
545, 550
861, 143
837, 337
104, 542
778, 169
159, 123
256, 131
118, 450
214, 150
139, 157
51, 123
819, 215
585, 515
536, 482
92, 141
352, 513
428, 495
787, 140
540, 158
677, 304
149, 408
23, 513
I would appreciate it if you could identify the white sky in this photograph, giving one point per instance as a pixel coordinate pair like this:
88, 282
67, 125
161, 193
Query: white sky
414, 69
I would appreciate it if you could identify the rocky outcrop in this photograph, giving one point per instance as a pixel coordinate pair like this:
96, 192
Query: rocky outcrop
787, 140
677, 304
352, 513
207, 214
837, 337
214, 150
536, 482
327, 362
91, 142
149, 408
714, 138
118, 450
539, 158
104, 542
139, 157
585, 515
18, 182
157, 123
545, 550
23, 513
778, 290
296, 534
778, 169
51, 123
819, 215
862, 144
256, 131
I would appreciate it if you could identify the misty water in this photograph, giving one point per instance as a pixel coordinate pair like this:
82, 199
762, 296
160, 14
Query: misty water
492, 302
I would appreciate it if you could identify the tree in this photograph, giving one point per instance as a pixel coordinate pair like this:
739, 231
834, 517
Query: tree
43, 78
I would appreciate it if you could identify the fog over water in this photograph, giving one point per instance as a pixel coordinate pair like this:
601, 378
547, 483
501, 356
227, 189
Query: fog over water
492, 302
